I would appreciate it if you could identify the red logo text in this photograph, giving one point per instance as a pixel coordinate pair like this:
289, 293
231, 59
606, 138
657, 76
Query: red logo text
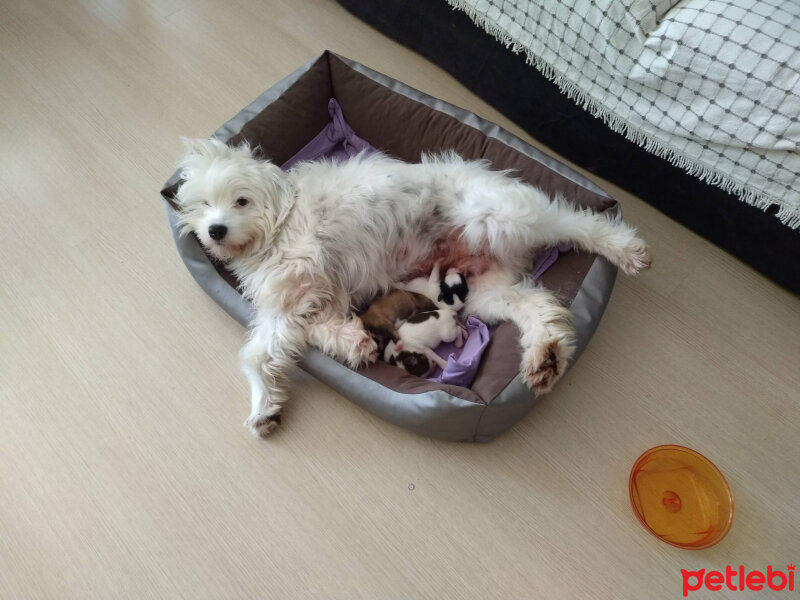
738, 579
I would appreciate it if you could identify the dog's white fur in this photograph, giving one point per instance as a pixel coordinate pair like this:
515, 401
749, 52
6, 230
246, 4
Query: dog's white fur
310, 244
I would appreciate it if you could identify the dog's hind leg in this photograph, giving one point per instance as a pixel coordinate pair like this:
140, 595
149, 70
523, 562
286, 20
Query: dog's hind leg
546, 333
435, 358
510, 218
595, 233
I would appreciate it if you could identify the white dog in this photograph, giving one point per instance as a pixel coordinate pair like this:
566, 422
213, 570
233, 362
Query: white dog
309, 244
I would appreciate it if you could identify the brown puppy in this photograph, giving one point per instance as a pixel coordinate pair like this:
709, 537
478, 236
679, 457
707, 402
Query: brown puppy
398, 305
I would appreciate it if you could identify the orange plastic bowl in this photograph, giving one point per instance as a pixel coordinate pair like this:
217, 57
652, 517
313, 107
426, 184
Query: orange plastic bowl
681, 497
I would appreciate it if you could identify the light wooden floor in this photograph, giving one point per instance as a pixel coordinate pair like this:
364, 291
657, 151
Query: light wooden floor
124, 469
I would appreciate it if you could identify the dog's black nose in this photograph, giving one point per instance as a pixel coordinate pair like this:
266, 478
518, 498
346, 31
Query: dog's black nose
217, 232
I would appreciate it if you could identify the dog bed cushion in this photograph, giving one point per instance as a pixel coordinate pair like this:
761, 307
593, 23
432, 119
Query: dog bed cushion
404, 122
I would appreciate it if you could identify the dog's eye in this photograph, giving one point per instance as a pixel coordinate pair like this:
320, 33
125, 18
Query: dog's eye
242, 202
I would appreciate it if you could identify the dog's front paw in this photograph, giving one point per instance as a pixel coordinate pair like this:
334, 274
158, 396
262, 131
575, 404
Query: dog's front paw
263, 425
543, 365
635, 257
364, 351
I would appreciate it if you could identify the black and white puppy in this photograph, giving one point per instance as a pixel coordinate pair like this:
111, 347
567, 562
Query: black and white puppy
449, 291
419, 336
453, 289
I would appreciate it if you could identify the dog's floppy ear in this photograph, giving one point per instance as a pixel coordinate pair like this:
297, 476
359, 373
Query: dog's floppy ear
198, 153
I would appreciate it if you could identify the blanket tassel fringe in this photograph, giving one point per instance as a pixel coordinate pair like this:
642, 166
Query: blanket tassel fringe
788, 215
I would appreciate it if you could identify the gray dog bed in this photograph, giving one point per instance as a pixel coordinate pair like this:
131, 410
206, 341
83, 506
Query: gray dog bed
404, 123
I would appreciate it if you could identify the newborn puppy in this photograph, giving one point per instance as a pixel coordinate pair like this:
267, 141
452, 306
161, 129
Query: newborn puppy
449, 291
382, 316
453, 289
412, 362
419, 335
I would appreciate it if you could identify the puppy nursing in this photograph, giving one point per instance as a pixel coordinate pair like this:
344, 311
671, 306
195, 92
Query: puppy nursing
420, 336
449, 291
310, 244
408, 326
382, 316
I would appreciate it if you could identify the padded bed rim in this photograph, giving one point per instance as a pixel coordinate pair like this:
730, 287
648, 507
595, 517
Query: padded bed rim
432, 413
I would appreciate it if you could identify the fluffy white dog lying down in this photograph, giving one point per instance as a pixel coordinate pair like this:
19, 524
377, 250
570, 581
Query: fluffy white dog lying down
310, 244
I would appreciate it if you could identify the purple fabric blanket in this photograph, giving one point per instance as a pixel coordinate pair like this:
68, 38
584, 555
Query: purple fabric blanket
338, 141
545, 258
463, 363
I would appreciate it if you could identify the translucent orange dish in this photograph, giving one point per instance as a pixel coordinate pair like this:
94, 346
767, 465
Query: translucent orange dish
681, 497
